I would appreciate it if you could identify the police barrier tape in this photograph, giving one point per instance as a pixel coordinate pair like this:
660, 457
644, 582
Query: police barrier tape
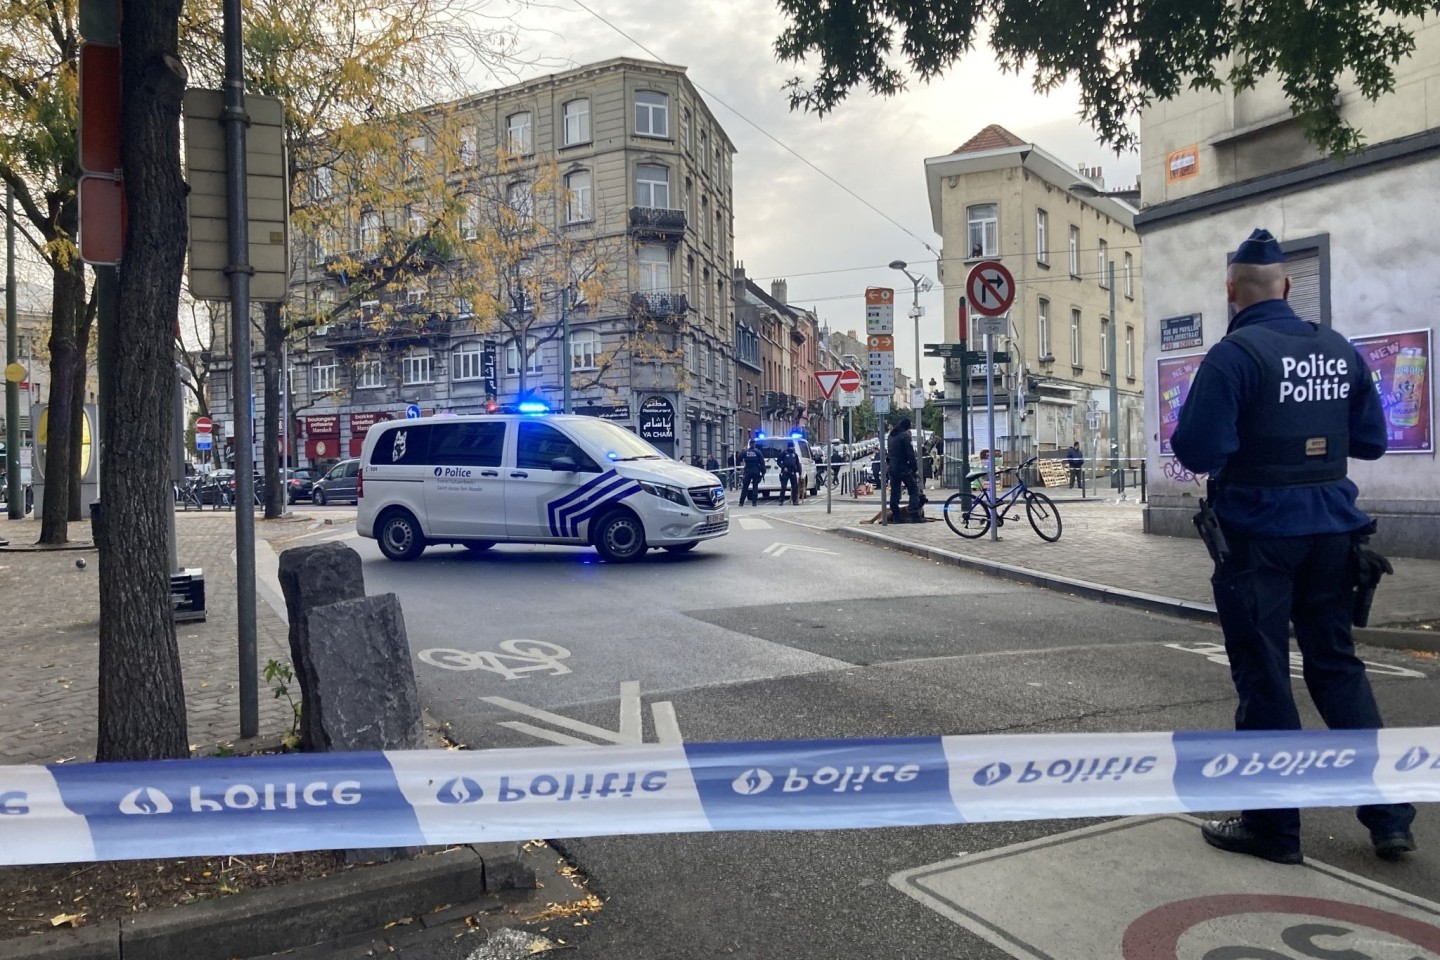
275, 804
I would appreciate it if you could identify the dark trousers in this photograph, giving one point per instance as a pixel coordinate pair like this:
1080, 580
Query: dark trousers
908, 482
1075, 479
792, 481
1265, 586
751, 489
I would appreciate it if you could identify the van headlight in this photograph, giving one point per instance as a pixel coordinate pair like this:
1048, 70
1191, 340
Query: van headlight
665, 492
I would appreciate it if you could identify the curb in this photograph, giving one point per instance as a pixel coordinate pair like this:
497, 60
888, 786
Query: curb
1385, 637
6, 547
262, 922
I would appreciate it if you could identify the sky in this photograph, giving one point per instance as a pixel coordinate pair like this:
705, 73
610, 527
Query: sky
791, 221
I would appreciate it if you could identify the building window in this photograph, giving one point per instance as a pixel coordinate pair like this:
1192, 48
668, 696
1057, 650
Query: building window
704, 148
521, 198
415, 368
1104, 345
652, 114
984, 222
1042, 237
693, 279
466, 364
1104, 263
369, 230
705, 217
715, 167
652, 186
369, 311
1043, 315
531, 359
470, 224
577, 196
709, 295
584, 350
689, 356
654, 268
469, 145
1075, 337
518, 134
323, 377
1074, 251
367, 375
685, 128
1129, 276
322, 183
1129, 352
576, 122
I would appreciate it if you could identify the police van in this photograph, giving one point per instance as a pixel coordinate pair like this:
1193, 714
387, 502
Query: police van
772, 448
518, 478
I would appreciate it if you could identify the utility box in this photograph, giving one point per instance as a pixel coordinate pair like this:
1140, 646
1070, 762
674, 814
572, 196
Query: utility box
187, 595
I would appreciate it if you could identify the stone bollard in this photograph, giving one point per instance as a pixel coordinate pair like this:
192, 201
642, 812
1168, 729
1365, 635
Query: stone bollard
314, 577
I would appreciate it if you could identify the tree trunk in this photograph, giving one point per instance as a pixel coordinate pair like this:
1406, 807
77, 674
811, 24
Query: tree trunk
142, 701
84, 323
69, 293
274, 340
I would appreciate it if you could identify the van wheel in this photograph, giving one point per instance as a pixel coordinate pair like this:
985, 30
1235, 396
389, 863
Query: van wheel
317, 497
620, 537
399, 536
479, 546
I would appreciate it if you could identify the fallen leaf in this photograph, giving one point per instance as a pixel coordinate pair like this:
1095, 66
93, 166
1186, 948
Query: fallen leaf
61, 919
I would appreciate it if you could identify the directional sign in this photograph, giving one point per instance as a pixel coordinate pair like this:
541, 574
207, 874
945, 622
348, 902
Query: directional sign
203, 425
849, 381
852, 398
412, 412
879, 310
944, 349
990, 288
202, 441
828, 380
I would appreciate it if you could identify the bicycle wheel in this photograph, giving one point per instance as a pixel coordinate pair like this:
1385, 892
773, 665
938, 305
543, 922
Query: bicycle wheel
971, 523
1044, 515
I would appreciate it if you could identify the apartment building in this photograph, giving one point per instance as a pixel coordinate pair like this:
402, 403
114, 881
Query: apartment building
998, 197
789, 352
621, 167
1359, 240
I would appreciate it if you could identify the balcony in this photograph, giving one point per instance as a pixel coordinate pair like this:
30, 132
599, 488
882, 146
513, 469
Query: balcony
394, 329
659, 305
656, 223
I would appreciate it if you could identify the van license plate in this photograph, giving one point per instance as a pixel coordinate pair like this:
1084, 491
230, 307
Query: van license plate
715, 518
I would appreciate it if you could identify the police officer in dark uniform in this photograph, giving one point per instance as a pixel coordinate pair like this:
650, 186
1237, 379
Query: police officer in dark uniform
1276, 409
902, 466
790, 474
753, 462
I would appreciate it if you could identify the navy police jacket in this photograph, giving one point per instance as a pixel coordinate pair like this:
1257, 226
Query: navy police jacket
1275, 409
753, 461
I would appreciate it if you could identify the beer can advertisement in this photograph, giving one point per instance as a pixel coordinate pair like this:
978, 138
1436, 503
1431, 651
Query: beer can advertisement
1399, 365
1176, 375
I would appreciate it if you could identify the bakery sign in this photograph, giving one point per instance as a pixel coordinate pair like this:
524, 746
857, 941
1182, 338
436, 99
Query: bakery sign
360, 423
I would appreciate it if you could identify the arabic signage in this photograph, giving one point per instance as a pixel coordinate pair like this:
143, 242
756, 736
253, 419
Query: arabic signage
1176, 376
1399, 364
606, 411
489, 361
1180, 333
657, 419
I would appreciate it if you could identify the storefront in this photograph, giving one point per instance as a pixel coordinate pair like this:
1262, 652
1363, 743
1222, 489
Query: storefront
360, 424
321, 434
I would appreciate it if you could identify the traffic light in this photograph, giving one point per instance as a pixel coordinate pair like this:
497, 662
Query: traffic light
492, 406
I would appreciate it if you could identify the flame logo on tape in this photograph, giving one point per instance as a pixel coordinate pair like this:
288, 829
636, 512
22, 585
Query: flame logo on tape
1414, 757
1220, 766
752, 781
145, 801
991, 774
460, 790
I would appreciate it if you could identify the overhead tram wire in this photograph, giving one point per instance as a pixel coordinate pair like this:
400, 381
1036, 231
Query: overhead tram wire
784, 146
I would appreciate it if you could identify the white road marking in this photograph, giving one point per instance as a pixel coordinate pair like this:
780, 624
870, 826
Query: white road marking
599, 733
667, 725
630, 712
1215, 653
755, 523
522, 657
780, 549
554, 736
630, 730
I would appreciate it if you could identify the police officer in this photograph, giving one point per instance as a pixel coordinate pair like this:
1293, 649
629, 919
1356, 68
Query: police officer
753, 462
1276, 409
790, 474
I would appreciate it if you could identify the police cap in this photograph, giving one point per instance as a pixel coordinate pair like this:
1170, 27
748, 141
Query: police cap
1259, 248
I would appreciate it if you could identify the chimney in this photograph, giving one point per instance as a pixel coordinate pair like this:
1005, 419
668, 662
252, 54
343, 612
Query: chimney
778, 290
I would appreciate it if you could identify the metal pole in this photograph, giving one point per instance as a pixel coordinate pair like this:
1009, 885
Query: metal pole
15, 492
917, 409
285, 425
990, 405
964, 405
1114, 384
565, 358
829, 452
239, 269
177, 462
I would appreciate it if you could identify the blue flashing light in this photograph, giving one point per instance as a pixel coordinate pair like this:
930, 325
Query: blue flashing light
797, 434
759, 434
533, 407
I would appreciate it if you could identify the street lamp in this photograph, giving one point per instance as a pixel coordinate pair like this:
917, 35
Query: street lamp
916, 282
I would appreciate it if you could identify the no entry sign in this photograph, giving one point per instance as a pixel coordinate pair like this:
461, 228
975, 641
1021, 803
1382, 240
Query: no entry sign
990, 289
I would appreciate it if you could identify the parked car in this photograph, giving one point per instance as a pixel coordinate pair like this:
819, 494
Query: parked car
339, 485
299, 483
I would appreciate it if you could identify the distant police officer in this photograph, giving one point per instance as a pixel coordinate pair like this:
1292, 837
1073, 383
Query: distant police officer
903, 467
1276, 409
790, 474
753, 462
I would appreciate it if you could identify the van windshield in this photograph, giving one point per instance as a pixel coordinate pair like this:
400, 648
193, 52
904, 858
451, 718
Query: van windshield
614, 443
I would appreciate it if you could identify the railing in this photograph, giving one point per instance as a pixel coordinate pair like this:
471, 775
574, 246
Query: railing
399, 327
657, 222
659, 304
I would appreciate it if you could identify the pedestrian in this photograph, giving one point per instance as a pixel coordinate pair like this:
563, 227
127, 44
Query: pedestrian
790, 474
1075, 460
1274, 440
753, 463
937, 464
836, 459
903, 469
713, 465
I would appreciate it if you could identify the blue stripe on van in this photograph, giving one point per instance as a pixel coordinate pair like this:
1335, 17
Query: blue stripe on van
599, 494
579, 492
615, 497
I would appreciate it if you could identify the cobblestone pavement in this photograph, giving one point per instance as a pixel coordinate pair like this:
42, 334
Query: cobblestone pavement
1103, 542
49, 635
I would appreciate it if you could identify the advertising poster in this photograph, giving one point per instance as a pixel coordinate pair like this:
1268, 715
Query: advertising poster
1399, 364
1175, 376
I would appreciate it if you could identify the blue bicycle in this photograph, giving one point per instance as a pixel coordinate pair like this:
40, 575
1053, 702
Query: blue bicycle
986, 508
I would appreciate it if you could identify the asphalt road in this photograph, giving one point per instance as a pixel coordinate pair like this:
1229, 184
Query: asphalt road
777, 631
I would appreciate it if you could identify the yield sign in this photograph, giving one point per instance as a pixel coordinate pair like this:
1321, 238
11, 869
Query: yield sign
827, 380
990, 289
850, 381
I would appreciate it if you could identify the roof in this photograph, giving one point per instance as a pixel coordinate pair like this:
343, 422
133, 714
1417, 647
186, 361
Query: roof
993, 137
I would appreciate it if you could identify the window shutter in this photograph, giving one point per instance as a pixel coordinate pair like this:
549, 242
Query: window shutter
1303, 266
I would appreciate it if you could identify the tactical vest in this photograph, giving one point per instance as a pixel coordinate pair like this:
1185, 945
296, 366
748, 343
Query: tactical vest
1297, 432
753, 460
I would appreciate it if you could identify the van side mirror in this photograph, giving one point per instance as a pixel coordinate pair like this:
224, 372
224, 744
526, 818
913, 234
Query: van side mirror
564, 464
